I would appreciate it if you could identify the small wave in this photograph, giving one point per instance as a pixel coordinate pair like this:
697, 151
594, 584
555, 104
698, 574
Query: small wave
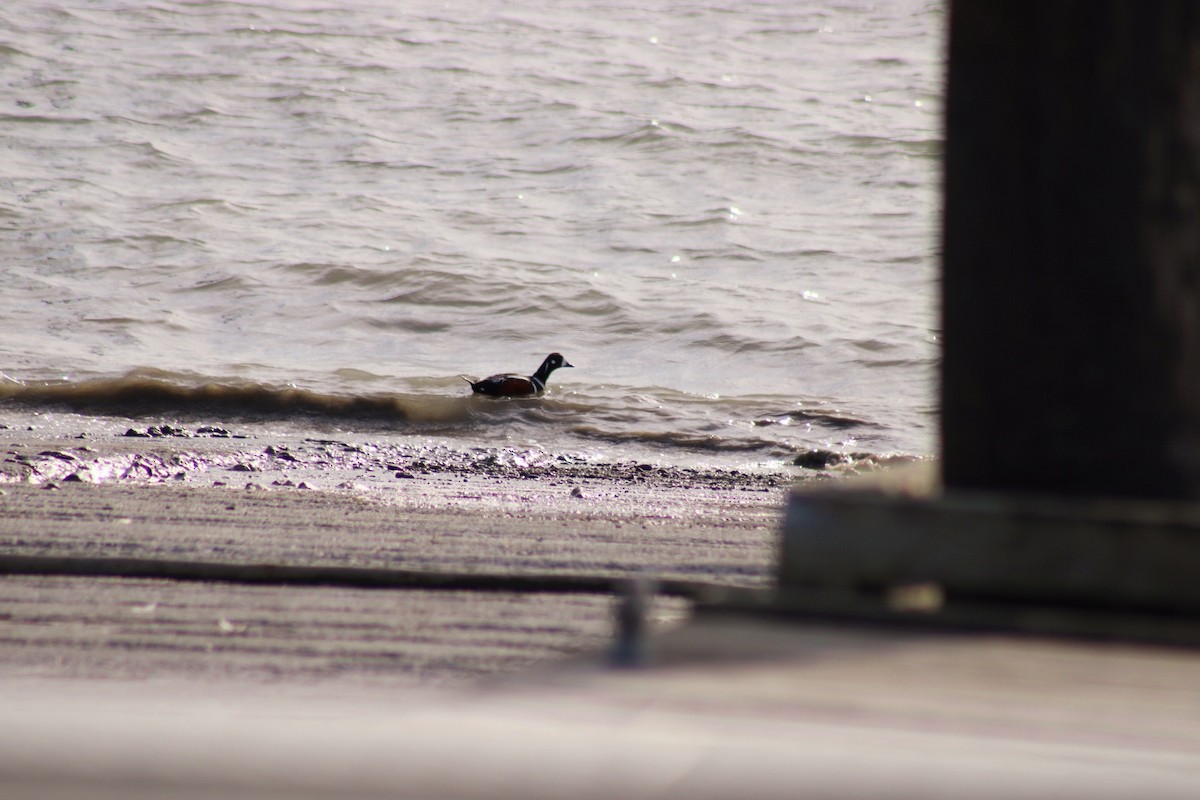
136, 394
440, 404
827, 419
682, 440
649, 134
822, 459
43, 120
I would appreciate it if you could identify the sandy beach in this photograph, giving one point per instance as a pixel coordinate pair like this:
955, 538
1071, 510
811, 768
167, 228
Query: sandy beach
79, 488
151, 686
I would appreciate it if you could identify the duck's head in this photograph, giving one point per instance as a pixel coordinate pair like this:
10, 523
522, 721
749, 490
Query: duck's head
552, 362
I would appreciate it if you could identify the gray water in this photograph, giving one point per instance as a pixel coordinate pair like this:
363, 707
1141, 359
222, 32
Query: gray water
724, 214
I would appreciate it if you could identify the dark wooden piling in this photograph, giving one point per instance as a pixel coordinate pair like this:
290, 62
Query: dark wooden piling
1071, 319
1071, 301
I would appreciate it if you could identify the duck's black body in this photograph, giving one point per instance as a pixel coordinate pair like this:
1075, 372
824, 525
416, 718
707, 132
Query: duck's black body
520, 385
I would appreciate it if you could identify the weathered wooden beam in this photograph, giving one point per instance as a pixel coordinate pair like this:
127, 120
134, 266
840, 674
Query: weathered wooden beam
996, 548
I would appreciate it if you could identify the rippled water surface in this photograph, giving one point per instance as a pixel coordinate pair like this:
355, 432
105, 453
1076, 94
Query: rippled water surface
722, 213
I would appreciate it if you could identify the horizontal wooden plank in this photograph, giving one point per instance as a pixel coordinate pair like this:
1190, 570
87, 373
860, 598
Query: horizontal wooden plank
1121, 555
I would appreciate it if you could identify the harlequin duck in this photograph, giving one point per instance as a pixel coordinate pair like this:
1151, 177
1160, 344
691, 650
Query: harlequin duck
519, 385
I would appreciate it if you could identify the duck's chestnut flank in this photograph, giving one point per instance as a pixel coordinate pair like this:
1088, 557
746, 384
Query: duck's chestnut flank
509, 385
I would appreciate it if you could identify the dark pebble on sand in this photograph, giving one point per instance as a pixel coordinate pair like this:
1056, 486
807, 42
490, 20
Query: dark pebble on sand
281, 453
210, 430
167, 430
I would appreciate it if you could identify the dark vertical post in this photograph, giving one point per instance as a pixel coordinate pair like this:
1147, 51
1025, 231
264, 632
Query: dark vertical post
1071, 298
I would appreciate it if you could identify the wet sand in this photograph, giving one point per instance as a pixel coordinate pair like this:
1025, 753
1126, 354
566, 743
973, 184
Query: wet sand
105, 489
